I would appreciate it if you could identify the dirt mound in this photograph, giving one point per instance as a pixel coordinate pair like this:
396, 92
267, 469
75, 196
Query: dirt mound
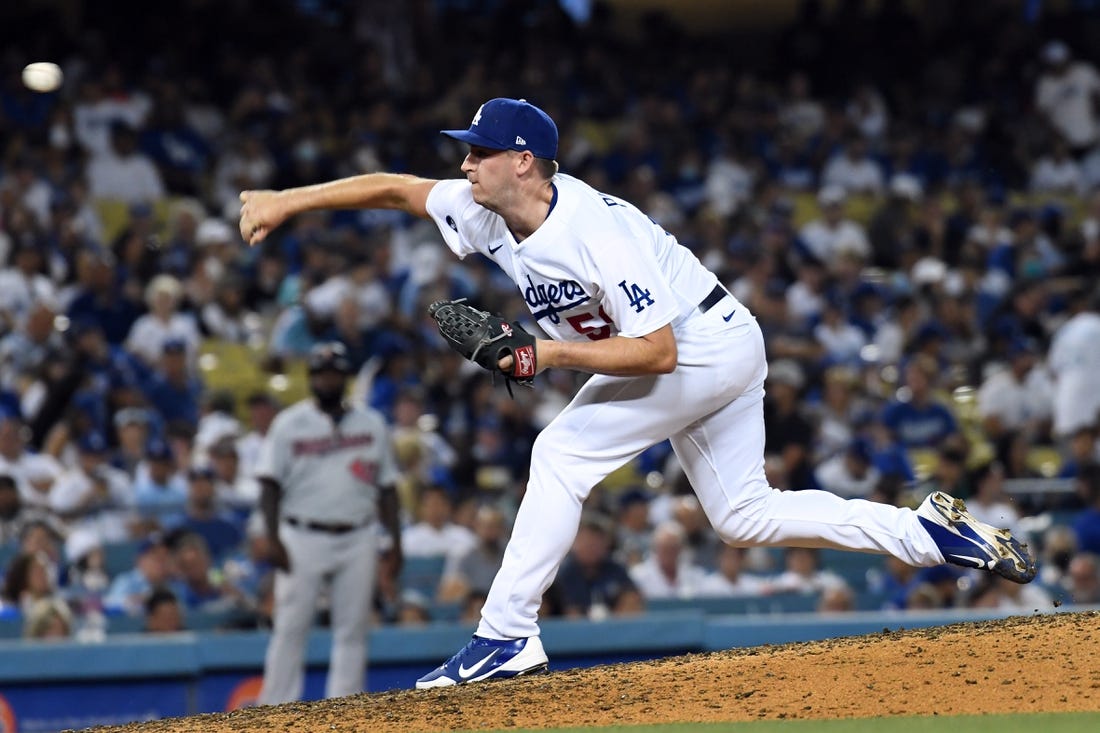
1023, 664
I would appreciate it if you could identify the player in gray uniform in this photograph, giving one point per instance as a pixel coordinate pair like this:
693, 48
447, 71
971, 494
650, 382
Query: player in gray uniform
674, 356
328, 472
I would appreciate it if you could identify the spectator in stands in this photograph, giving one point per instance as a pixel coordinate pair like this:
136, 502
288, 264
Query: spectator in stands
1083, 579
853, 169
93, 495
1083, 449
994, 594
701, 545
163, 323
730, 579
891, 230
23, 285
48, 618
471, 607
28, 580
1067, 93
1017, 397
473, 570
1074, 354
163, 614
806, 297
935, 587
840, 410
25, 349
837, 599
413, 608
262, 409
173, 390
204, 588
1058, 547
851, 474
590, 584
1087, 522
98, 300
893, 583
123, 173
411, 421
1057, 172
43, 537
989, 503
202, 515
633, 531
160, 492
948, 471
14, 517
668, 571
135, 432
34, 473
789, 433
803, 573
179, 151
840, 340
155, 568
916, 418
237, 492
225, 317
825, 236
436, 534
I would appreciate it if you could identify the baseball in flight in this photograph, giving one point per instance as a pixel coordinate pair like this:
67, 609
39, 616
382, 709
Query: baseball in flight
42, 76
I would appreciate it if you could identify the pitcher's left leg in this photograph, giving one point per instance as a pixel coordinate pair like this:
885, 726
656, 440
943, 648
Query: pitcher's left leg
723, 457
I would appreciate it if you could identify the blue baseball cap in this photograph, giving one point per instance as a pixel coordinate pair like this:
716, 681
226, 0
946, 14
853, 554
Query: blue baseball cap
511, 124
92, 442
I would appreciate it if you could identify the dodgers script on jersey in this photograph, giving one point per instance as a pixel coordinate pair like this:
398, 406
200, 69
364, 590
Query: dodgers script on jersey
596, 268
328, 473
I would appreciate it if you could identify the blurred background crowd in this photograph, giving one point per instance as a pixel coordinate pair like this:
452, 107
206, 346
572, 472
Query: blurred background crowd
907, 198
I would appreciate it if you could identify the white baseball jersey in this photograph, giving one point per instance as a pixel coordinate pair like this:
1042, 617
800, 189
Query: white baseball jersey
328, 473
597, 267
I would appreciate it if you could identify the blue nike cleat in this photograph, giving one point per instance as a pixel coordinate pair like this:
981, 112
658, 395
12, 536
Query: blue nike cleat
484, 658
965, 541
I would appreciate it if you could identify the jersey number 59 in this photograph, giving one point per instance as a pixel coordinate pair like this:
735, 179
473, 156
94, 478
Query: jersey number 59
596, 333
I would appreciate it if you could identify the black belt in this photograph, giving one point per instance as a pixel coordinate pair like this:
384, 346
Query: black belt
322, 526
713, 299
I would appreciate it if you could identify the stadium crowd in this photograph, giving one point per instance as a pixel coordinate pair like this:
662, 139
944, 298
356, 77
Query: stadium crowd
909, 205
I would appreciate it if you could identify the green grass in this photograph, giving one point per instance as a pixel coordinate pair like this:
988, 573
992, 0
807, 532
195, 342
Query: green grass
1029, 723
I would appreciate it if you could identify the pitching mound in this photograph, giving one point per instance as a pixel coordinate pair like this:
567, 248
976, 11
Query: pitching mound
1023, 664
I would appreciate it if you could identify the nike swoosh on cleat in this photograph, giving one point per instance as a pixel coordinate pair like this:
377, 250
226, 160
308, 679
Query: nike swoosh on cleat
727, 318
466, 674
974, 561
493, 250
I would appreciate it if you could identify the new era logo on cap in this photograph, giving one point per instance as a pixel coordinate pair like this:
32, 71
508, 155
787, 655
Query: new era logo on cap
511, 124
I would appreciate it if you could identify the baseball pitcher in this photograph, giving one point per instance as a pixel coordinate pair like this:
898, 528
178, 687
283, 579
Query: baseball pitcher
674, 354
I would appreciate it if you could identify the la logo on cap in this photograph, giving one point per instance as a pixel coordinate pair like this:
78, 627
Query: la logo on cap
477, 117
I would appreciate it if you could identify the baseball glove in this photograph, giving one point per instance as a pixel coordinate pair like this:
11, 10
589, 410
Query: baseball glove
485, 339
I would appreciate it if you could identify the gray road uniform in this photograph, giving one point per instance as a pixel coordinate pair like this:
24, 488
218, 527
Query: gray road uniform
330, 476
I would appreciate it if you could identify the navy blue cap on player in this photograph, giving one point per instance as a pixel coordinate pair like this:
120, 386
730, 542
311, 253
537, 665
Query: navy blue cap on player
511, 124
329, 355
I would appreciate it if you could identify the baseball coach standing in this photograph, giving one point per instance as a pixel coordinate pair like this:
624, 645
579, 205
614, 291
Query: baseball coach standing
328, 473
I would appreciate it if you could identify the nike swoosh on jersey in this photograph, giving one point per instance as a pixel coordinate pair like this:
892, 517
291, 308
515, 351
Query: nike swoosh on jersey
727, 318
466, 674
493, 250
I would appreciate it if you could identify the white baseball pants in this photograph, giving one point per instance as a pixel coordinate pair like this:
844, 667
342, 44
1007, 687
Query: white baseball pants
350, 559
712, 408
